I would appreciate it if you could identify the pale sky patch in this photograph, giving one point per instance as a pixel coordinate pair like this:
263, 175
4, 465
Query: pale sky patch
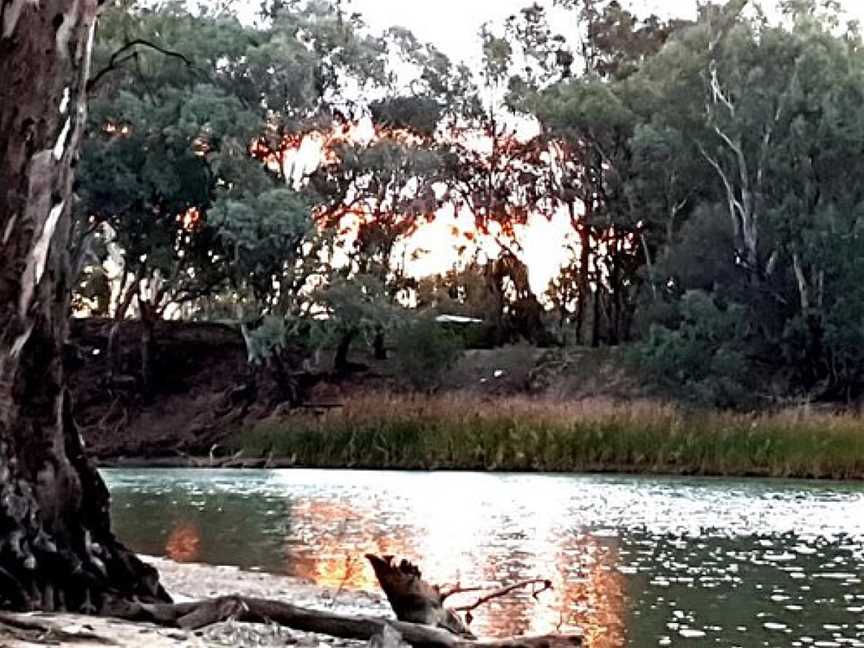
453, 25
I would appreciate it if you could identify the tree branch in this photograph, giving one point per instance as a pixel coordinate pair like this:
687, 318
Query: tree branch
117, 59
717, 93
458, 589
735, 207
504, 591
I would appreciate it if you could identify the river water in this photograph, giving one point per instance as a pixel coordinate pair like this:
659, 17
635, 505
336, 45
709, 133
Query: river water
635, 561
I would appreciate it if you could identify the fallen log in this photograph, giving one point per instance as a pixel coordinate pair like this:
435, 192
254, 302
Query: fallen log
198, 614
44, 632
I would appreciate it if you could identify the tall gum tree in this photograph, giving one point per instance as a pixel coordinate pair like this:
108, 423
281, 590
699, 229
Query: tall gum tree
56, 546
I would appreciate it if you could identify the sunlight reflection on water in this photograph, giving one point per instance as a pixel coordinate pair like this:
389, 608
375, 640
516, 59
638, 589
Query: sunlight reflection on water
634, 561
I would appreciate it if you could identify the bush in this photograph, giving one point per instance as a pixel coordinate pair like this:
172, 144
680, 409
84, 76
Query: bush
703, 359
424, 351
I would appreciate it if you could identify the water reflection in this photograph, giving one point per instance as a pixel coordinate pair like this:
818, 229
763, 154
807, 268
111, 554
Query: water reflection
184, 542
641, 562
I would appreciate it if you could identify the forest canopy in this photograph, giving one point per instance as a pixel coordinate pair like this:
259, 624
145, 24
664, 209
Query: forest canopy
297, 173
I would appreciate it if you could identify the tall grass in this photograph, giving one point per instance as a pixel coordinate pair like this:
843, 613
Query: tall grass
463, 432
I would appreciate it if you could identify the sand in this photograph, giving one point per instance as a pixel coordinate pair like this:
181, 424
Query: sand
195, 581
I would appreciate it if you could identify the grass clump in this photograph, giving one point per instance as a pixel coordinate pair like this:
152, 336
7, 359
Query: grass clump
462, 432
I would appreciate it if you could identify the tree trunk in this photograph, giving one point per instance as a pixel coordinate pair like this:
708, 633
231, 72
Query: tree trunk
340, 361
147, 317
56, 547
597, 306
584, 268
378, 344
615, 287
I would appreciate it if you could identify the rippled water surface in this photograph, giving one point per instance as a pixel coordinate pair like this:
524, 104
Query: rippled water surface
635, 561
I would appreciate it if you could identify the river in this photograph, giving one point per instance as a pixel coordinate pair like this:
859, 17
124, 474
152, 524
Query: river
635, 561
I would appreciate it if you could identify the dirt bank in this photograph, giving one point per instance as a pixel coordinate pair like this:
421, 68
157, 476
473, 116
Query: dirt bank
201, 390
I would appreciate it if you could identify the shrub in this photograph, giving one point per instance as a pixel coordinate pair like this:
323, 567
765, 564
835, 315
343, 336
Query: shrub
424, 351
704, 358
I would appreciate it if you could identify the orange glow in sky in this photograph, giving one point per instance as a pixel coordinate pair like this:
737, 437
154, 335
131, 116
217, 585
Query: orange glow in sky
449, 237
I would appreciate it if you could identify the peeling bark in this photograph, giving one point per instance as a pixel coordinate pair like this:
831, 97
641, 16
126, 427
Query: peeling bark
57, 551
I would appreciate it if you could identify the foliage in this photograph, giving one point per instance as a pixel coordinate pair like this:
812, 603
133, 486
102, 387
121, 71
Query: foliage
703, 352
784, 117
707, 170
424, 350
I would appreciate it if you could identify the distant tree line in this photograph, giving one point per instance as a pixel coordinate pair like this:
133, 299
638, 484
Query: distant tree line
709, 171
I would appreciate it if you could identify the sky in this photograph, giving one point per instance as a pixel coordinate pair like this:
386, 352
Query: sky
452, 25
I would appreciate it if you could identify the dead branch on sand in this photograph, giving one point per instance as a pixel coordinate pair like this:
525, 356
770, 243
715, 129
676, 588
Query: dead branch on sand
423, 621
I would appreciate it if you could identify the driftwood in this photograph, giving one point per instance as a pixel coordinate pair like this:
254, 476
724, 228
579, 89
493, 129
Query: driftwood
199, 614
37, 631
423, 621
417, 601
412, 598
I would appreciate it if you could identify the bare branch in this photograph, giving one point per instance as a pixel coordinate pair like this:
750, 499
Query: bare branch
717, 93
803, 288
458, 589
504, 591
117, 59
735, 207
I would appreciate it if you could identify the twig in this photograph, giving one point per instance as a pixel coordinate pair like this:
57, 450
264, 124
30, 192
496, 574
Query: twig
504, 591
112, 65
458, 589
350, 565
560, 622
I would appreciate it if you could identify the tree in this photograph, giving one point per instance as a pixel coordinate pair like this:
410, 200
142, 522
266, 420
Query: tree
775, 115
356, 306
58, 551
591, 168
187, 163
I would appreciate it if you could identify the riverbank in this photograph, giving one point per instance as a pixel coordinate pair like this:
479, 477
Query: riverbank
196, 581
516, 408
465, 432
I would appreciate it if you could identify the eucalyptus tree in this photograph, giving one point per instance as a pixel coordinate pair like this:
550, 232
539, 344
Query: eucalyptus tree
380, 181
57, 550
589, 113
775, 114
167, 131
194, 118
492, 168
